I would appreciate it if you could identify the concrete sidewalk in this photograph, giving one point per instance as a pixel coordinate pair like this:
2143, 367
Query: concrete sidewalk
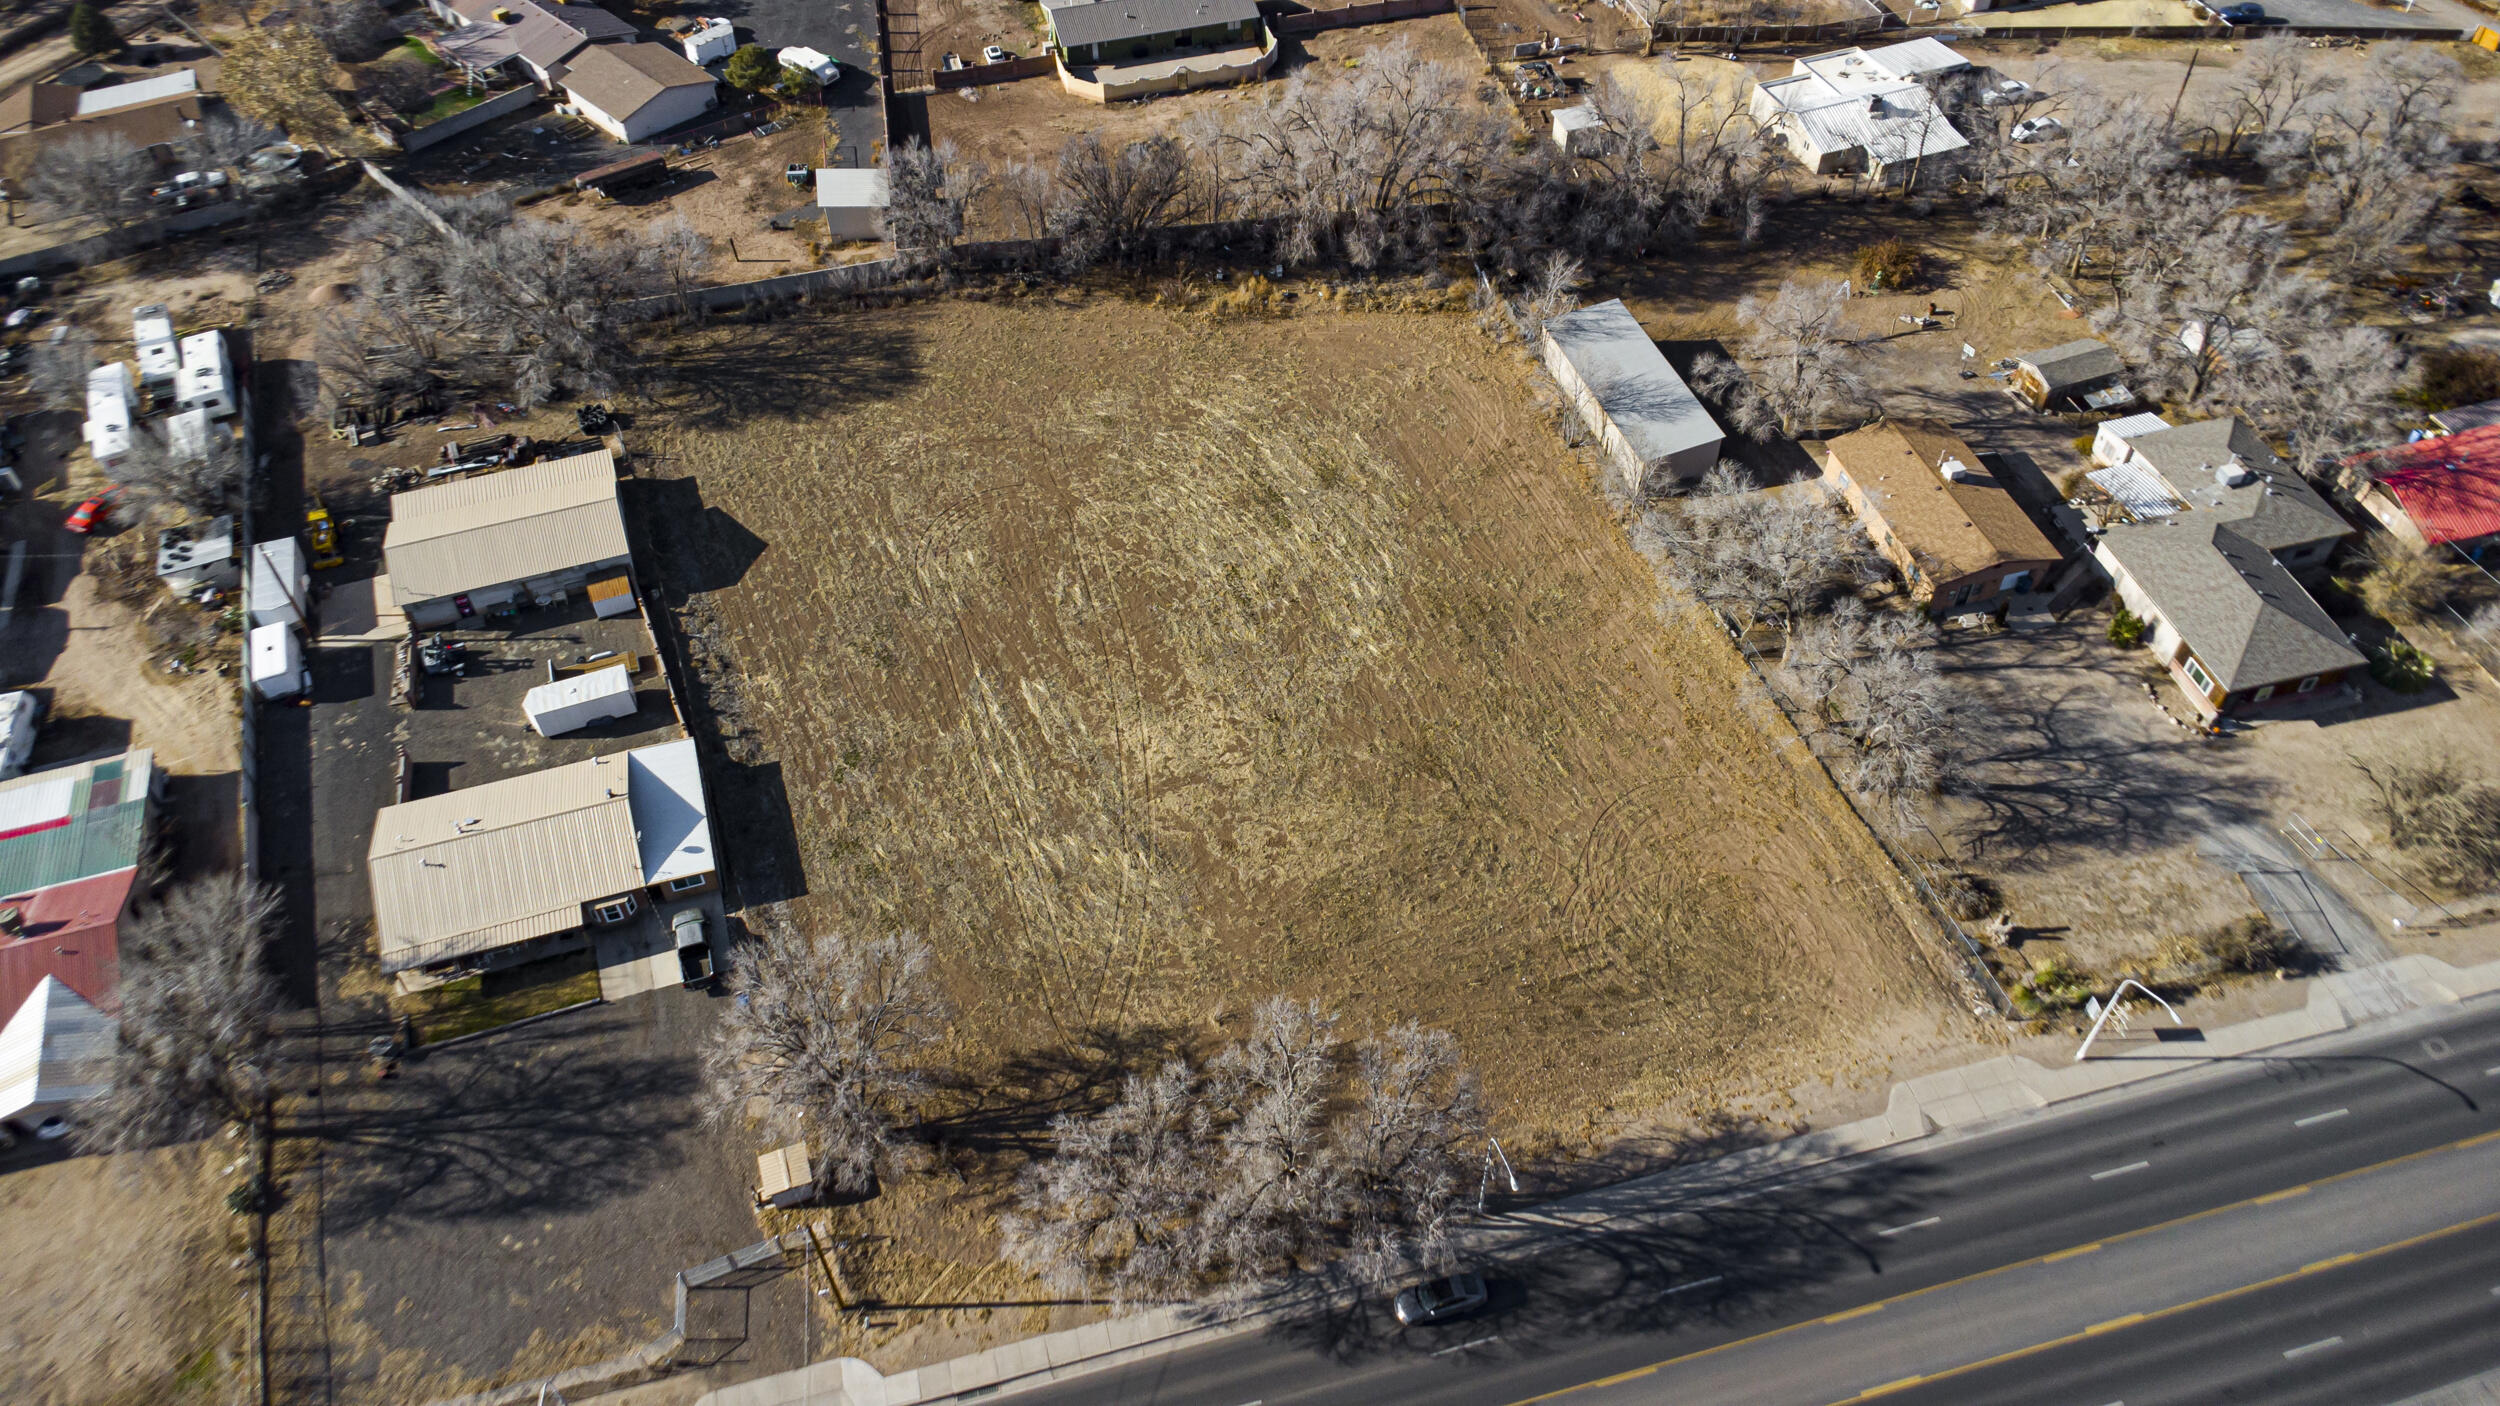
1954, 1101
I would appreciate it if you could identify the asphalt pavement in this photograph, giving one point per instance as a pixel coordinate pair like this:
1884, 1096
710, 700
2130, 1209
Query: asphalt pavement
2171, 1242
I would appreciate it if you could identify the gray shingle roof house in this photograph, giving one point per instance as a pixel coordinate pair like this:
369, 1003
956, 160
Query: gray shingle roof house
1651, 424
1118, 21
2067, 371
2213, 561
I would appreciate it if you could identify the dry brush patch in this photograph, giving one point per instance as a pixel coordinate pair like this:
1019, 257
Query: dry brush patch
1149, 666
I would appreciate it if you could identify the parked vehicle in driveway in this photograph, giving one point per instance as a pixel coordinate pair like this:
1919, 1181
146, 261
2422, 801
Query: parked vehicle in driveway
2242, 14
1440, 1300
995, 54
694, 946
2038, 129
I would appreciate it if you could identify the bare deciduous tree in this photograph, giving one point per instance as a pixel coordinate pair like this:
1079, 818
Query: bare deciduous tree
399, 83
353, 30
280, 74
225, 137
830, 1033
1111, 204
1029, 193
56, 370
195, 1045
2445, 821
1874, 683
2331, 392
1756, 557
528, 306
2202, 326
930, 188
99, 176
198, 485
1804, 362
1115, 1208
1286, 1150
2276, 86
1552, 292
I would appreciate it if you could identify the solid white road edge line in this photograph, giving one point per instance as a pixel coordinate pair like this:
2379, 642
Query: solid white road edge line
2120, 1171
2320, 1345
1914, 1225
2319, 1117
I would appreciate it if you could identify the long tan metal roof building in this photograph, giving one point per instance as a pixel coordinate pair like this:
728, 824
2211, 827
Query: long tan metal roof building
551, 520
469, 871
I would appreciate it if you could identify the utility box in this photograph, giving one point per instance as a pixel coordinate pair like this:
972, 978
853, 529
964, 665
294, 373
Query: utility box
572, 703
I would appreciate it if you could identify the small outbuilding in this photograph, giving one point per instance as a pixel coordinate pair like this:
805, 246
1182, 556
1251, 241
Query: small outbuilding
710, 41
1579, 131
853, 202
1653, 428
2078, 375
2114, 441
576, 702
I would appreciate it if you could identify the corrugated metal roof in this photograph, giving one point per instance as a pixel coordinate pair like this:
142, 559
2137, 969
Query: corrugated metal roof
74, 822
2138, 489
491, 865
2449, 486
1656, 412
56, 1049
501, 527
1110, 21
72, 933
671, 821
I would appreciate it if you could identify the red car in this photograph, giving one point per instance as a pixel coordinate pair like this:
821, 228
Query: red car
94, 510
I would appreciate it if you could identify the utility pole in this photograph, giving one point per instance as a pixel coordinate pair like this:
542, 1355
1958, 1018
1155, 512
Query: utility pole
2193, 56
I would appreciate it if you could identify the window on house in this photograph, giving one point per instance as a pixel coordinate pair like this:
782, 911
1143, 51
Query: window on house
2307, 684
690, 881
2196, 673
616, 912
2262, 694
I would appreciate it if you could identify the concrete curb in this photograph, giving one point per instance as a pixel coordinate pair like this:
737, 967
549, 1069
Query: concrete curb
1957, 1100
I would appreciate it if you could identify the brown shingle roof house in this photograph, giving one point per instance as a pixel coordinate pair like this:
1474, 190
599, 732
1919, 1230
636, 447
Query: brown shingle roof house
631, 91
1954, 531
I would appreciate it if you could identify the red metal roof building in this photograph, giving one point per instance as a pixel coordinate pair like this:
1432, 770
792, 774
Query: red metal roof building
2440, 491
71, 931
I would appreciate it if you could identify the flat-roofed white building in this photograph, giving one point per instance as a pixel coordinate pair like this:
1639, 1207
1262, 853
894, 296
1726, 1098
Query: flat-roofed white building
1653, 427
853, 202
1862, 110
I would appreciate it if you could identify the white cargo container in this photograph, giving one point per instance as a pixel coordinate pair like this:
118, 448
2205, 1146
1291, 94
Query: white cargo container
206, 380
278, 583
152, 327
577, 702
277, 657
710, 41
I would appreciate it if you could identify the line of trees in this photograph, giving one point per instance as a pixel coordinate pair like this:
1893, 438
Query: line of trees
1292, 1149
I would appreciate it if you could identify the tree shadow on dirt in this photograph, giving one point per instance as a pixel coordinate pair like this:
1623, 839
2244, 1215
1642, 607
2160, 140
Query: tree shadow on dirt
1704, 1258
780, 360
1006, 1111
2049, 769
546, 1118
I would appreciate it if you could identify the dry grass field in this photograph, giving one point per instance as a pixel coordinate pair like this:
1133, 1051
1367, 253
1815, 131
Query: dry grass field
1149, 665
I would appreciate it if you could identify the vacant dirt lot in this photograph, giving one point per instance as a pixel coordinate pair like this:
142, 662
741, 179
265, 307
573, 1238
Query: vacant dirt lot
1150, 665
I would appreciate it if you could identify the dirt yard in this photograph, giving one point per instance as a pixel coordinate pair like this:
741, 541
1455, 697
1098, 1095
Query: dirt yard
122, 1284
1148, 665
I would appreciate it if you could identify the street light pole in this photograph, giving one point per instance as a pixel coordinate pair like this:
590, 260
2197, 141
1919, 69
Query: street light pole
2115, 997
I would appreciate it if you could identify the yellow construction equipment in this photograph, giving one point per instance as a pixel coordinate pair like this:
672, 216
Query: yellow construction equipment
321, 533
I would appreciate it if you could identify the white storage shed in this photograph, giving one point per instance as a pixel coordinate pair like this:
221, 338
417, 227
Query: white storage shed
188, 558
206, 380
19, 713
1652, 426
853, 202
576, 702
152, 328
278, 583
277, 661
710, 41
110, 406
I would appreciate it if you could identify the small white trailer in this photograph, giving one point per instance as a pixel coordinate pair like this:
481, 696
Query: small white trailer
578, 701
278, 583
277, 661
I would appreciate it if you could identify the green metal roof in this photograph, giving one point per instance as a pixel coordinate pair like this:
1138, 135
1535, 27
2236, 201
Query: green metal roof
95, 841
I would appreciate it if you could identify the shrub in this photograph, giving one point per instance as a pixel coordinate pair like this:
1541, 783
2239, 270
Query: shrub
752, 69
2446, 822
2055, 984
2126, 628
1969, 897
2456, 376
2246, 946
2405, 583
2403, 667
1891, 265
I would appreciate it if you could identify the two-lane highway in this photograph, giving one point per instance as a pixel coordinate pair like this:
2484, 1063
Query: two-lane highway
2157, 1244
